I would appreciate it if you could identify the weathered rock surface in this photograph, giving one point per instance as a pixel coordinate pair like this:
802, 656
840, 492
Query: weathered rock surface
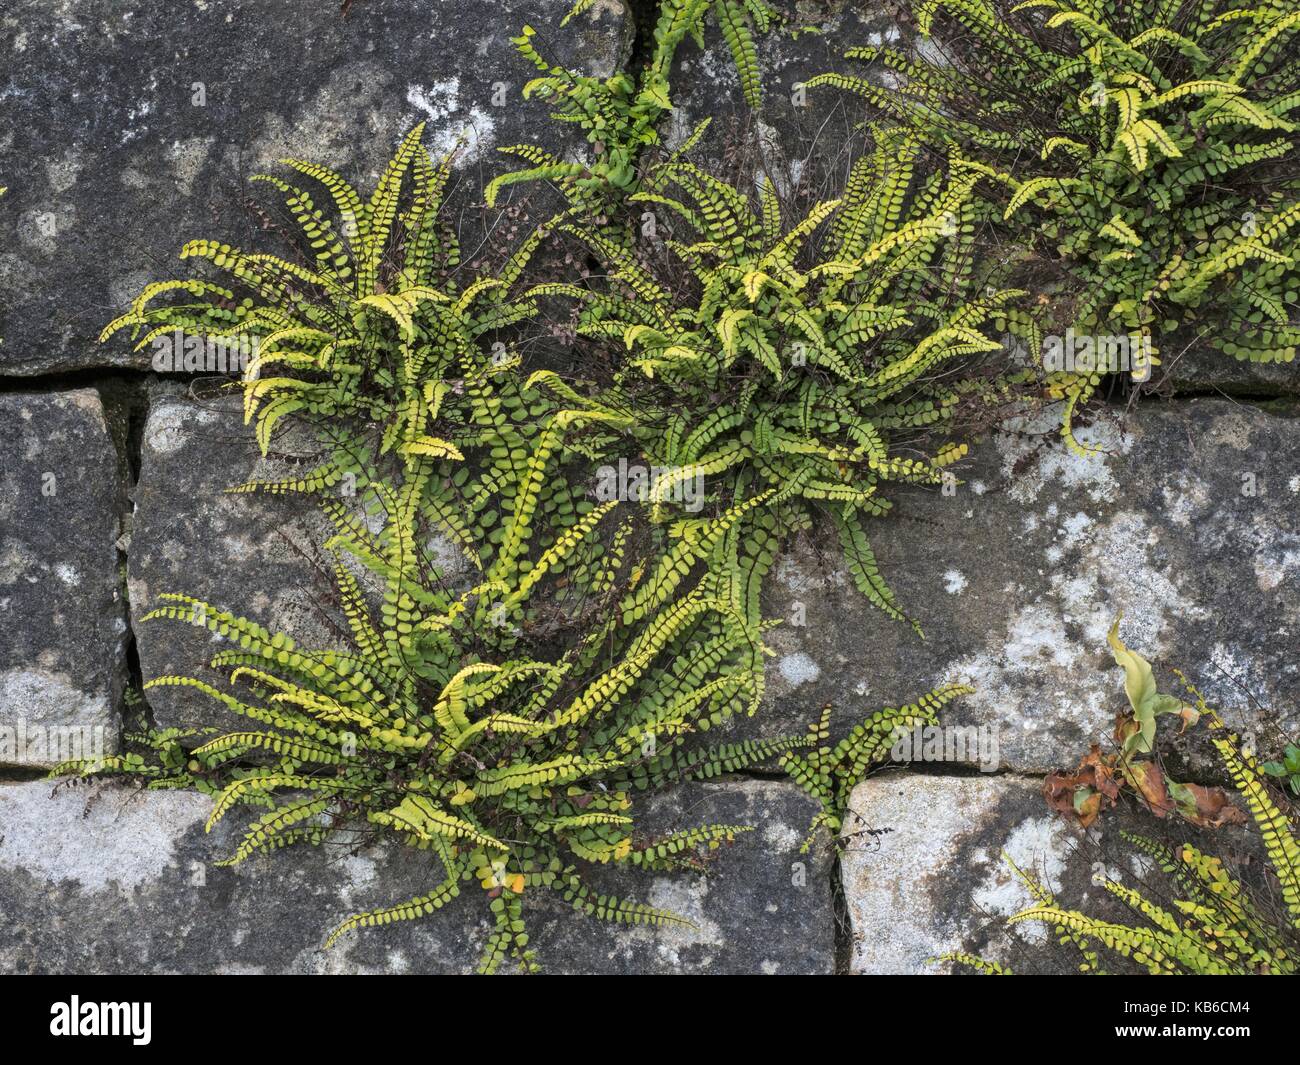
130, 129
1188, 525
1205, 370
795, 134
922, 867
107, 879
62, 660
251, 554
923, 872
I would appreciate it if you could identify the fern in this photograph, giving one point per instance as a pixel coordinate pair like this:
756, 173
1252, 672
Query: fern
802, 360
1149, 148
371, 333
447, 725
159, 758
738, 19
981, 965
829, 774
1214, 924
620, 115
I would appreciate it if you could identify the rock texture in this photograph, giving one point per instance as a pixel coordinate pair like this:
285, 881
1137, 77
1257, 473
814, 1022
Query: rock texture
923, 872
1205, 370
105, 879
130, 129
255, 555
795, 135
922, 868
1187, 523
62, 663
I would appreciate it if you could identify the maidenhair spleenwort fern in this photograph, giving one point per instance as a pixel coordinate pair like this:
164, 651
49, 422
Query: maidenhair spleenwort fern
829, 774
801, 356
448, 726
620, 115
503, 727
371, 327
1149, 148
1214, 924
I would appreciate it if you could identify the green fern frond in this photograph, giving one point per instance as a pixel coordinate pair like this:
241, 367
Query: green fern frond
1140, 144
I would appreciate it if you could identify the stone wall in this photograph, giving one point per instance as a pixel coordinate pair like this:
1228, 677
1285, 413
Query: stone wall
128, 128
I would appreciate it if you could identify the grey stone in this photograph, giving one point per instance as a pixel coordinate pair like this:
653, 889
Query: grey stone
251, 554
794, 136
924, 874
1017, 577
111, 164
922, 868
762, 908
62, 659
258, 555
106, 879
1202, 369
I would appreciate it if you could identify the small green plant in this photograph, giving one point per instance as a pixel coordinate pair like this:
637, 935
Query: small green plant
1215, 924
377, 330
829, 774
1287, 770
801, 356
800, 363
443, 726
1102, 777
158, 758
1148, 150
1216, 927
445, 723
620, 115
